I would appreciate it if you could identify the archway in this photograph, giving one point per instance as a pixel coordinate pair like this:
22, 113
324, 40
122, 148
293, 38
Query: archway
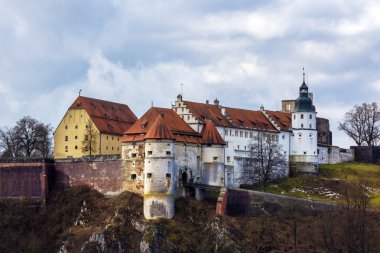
184, 177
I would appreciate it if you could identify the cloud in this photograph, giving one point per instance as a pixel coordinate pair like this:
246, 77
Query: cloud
246, 53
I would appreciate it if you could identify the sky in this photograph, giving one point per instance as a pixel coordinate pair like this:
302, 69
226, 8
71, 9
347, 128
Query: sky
243, 52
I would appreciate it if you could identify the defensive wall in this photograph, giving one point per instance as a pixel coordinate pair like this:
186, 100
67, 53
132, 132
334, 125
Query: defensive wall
367, 154
21, 178
103, 173
328, 154
239, 202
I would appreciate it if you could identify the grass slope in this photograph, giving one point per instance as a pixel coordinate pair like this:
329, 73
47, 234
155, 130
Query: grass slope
330, 185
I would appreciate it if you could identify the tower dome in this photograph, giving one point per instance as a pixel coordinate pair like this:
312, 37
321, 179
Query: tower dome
304, 102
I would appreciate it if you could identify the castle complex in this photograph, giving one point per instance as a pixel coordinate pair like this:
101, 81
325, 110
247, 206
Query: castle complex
192, 145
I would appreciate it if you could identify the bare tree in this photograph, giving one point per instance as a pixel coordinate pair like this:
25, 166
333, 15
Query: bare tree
34, 137
29, 138
9, 143
90, 139
265, 161
362, 124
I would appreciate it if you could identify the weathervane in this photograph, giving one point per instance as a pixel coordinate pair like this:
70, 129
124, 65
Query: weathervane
80, 92
303, 70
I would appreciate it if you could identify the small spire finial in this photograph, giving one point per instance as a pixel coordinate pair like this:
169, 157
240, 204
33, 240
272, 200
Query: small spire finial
303, 73
152, 104
181, 89
80, 91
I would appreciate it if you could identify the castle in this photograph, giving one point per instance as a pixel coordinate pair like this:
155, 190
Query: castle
192, 146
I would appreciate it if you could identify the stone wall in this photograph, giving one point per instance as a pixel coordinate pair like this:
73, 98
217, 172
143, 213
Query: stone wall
252, 203
334, 154
26, 178
367, 154
102, 174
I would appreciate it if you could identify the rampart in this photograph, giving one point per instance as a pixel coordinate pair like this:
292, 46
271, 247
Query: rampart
21, 178
103, 173
239, 202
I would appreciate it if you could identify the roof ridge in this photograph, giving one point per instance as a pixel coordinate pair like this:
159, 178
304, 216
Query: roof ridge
159, 130
210, 135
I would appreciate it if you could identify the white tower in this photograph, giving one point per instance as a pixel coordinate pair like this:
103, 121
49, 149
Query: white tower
159, 171
303, 142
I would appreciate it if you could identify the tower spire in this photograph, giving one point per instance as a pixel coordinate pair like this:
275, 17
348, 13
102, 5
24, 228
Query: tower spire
303, 73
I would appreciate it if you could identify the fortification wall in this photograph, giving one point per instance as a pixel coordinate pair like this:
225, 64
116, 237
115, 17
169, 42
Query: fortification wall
102, 174
251, 203
367, 154
26, 178
333, 155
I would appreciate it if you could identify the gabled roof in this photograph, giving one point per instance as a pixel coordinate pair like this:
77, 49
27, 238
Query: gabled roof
203, 112
161, 123
249, 119
210, 135
282, 119
172, 120
108, 117
235, 117
159, 130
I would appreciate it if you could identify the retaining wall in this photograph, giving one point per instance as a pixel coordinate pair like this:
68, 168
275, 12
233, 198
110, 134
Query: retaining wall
252, 203
104, 174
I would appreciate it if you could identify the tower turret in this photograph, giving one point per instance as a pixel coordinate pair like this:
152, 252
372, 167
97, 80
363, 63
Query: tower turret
213, 172
159, 171
303, 155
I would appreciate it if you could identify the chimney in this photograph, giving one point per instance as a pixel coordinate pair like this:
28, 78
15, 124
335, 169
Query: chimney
207, 101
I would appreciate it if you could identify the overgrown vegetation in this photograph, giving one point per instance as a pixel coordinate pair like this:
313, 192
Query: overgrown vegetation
331, 183
83, 220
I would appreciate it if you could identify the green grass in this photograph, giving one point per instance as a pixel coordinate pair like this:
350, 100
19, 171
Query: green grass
330, 185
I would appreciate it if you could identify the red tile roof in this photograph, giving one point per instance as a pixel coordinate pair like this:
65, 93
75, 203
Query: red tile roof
282, 119
210, 135
235, 117
159, 130
160, 123
108, 117
249, 119
203, 112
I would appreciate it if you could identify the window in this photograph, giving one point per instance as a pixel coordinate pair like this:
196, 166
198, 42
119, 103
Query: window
215, 158
86, 137
294, 117
168, 175
182, 109
304, 152
76, 137
310, 126
76, 147
236, 133
150, 152
149, 175
246, 134
228, 159
112, 148
76, 126
301, 116
226, 132
287, 107
168, 153
133, 176
106, 147
301, 125
299, 135
238, 147
241, 133
112, 138
230, 132
310, 116
66, 127
66, 138
188, 117
107, 137
134, 155
318, 151
66, 149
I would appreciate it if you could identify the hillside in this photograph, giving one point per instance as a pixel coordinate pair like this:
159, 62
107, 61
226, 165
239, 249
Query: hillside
332, 183
83, 220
